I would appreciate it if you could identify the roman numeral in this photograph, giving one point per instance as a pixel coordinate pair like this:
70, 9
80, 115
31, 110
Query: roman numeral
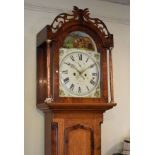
66, 80
79, 90
67, 63
87, 88
87, 59
80, 56
92, 82
72, 58
65, 72
92, 65
72, 87
94, 74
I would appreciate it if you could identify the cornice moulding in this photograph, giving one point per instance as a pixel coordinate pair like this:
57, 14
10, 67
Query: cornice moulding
39, 8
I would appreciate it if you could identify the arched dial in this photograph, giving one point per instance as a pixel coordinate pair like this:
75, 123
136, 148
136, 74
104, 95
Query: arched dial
79, 73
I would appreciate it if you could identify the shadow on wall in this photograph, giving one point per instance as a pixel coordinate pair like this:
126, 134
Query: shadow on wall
115, 149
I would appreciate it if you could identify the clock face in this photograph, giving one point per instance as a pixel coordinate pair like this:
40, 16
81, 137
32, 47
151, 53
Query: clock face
79, 73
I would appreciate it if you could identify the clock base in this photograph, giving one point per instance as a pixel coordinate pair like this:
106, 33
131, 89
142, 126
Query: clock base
73, 133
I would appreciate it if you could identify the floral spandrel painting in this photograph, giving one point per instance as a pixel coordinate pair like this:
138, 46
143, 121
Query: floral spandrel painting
79, 40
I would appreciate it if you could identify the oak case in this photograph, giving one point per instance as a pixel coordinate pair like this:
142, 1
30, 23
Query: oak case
72, 124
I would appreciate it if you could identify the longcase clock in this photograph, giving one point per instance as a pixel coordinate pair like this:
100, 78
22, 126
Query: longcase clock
74, 82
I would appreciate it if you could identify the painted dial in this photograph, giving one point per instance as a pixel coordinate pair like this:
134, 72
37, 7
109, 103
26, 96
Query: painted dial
79, 73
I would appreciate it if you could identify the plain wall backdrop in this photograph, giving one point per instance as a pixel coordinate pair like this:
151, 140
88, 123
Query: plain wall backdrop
116, 124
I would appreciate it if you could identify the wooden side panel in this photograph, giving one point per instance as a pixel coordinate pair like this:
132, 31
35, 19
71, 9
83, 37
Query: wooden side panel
79, 140
48, 130
41, 74
54, 138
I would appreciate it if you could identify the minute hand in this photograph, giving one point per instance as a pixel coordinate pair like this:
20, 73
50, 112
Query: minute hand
72, 66
87, 68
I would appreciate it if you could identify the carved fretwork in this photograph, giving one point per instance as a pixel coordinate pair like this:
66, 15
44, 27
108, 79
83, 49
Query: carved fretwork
109, 41
82, 15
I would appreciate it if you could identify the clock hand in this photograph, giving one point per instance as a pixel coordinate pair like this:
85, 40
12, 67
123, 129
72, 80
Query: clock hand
73, 66
87, 68
79, 65
80, 74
